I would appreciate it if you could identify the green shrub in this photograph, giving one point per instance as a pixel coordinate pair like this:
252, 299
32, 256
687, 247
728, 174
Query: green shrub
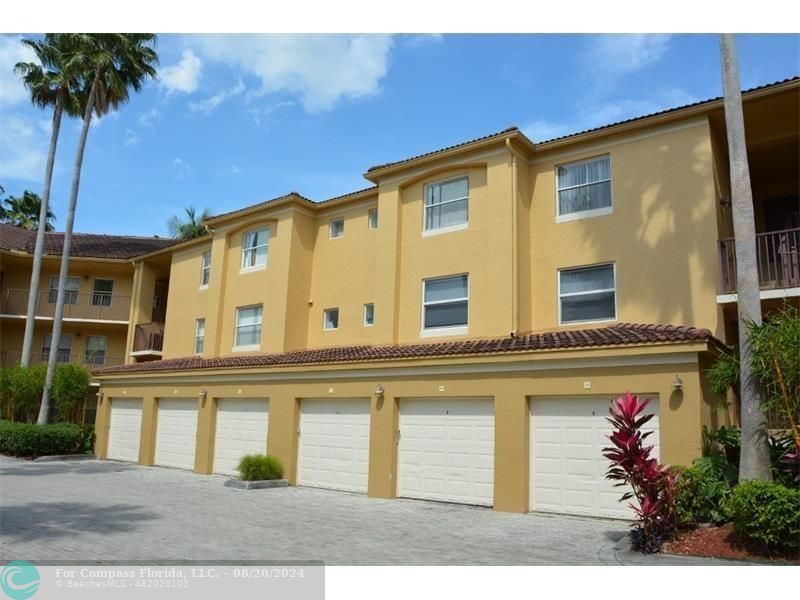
701, 497
258, 467
24, 387
70, 386
767, 515
29, 440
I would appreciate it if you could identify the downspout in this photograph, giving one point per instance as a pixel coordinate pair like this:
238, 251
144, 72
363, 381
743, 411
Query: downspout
514, 243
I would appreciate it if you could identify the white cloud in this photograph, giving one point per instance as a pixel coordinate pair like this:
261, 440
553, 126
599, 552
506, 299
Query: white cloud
181, 167
11, 52
149, 117
22, 148
611, 56
210, 104
320, 69
131, 139
184, 76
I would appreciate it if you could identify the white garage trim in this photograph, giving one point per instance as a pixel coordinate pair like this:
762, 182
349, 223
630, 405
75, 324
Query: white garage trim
125, 429
176, 435
242, 425
446, 450
333, 448
567, 467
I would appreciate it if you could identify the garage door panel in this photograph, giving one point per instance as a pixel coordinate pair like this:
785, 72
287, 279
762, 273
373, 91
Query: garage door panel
176, 435
125, 429
242, 425
567, 466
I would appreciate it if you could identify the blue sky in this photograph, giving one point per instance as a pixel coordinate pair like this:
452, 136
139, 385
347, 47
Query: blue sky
234, 120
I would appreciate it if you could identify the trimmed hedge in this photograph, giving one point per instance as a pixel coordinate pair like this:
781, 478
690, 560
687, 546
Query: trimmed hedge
29, 440
260, 467
767, 515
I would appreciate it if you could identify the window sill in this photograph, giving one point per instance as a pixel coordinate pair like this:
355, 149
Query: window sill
443, 230
584, 214
247, 270
250, 348
444, 331
203, 288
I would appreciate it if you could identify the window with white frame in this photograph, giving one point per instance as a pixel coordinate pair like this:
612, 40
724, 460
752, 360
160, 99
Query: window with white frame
369, 315
445, 303
336, 228
330, 318
70, 290
446, 204
205, 268
64, 347
254, 248
95, 353
248, 326
102, 291
373, 218
199, 335
587, 294
584, 188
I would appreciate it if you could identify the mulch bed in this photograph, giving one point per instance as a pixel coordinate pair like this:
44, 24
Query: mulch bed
718, 542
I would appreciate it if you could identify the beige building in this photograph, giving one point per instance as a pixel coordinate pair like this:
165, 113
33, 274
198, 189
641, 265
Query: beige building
455, 331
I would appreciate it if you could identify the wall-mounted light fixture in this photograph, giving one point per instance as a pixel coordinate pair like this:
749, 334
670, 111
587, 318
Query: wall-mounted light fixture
677, 383
202, 397
379, 391
100, 396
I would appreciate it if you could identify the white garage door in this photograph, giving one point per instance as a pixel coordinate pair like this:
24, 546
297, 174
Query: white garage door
125, 429
241, 429
176, 436
334, 444
446, 450
567, 465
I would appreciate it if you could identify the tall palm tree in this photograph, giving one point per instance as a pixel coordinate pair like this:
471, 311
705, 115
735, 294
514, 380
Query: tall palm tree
190, 228
25, 211
754, 462
51, 84
112, 65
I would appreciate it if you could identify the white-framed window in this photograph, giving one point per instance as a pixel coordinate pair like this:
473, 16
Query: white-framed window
70, 290
369, 315
248, 327
199, 335
95, 353
445, 305
330, 318
583, 189
336, 228
64, 353
102, 291
254, 248
447, 205
587, 294
372, 218
205, 269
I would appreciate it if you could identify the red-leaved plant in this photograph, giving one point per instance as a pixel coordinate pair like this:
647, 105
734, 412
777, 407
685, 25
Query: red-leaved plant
651, 484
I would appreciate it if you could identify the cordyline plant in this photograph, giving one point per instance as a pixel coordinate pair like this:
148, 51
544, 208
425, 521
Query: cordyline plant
652, 485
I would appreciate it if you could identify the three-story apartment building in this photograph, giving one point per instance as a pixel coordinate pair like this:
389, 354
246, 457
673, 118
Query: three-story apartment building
454, 332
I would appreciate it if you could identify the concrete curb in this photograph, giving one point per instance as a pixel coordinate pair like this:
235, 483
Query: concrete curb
238, 484
65, 457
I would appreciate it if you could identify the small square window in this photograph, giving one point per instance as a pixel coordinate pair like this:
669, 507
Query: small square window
369, 315
255, 245
587, 294
336, 228
95, 351
248, 326
70, 290
330, 318
447, 204
102, 292
373, 218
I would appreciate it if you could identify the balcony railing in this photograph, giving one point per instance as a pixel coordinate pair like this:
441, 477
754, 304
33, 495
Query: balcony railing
10, 358
100, 306
778, 259
148, 337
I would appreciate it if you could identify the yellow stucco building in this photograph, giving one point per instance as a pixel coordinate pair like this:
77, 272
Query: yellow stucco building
455, 331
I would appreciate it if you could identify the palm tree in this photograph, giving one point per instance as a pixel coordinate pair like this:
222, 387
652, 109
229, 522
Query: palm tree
50, 84
112, 65
754, 463
25, 211
190, 228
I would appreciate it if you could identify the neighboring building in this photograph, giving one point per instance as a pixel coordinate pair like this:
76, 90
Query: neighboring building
454, 332
97, 300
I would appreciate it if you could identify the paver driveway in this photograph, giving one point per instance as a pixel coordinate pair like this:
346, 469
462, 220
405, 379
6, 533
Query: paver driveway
96, 510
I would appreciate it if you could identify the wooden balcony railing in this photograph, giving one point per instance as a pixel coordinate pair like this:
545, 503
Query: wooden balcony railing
148, 337
100, 306
778, 258
11, 358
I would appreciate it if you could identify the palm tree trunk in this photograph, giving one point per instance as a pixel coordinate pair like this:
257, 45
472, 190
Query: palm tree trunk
44, 410
754, 463
36, 271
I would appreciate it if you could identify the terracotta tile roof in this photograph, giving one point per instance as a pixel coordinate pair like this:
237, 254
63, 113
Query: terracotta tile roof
89, 245
625, 334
